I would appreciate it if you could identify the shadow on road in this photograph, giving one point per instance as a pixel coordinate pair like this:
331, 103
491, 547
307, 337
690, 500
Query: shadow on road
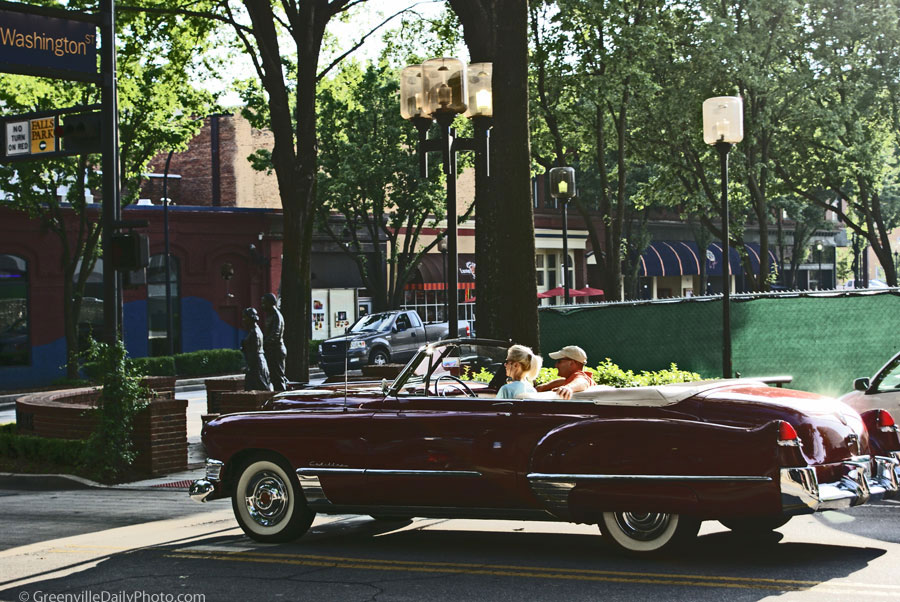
360, 558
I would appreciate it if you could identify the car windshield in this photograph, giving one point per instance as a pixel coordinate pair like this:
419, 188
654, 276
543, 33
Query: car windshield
373, 323
469, 359
890, 376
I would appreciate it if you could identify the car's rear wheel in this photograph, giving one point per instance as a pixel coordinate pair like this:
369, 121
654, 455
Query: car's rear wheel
647, 532
755, 525
268, 502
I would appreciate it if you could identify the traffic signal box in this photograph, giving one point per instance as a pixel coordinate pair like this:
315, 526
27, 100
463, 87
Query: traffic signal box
80, 132
130, 251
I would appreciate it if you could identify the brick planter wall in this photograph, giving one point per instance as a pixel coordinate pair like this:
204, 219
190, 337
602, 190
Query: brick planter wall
243, 401
160, 430
216, 386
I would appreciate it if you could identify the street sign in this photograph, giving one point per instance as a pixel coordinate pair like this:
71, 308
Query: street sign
43, 135
35, 43
18, 138
31, 137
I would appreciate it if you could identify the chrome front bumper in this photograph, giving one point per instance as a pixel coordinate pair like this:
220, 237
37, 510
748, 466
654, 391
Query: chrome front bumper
801, 493
202, 488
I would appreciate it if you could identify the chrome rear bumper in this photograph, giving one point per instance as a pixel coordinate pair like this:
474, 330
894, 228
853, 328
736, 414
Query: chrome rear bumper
801, 493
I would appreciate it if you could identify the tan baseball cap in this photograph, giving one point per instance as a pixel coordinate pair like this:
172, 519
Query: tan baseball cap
572, 352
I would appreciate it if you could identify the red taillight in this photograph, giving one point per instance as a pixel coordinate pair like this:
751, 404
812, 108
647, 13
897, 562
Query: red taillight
886, 422
786, 434
468, 331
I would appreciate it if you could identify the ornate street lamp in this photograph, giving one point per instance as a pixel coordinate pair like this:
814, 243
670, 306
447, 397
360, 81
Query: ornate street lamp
723, 127
439, 90
562, 186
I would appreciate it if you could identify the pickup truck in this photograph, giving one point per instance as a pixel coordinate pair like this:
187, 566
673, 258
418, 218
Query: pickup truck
381, 338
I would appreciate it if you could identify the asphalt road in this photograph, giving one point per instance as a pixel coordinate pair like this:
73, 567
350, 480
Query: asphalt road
156, 545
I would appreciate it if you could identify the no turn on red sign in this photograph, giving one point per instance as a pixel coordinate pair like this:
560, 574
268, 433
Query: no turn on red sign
31, 137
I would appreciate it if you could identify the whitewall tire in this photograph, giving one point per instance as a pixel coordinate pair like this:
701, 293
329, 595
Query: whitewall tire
268, 502
647, 532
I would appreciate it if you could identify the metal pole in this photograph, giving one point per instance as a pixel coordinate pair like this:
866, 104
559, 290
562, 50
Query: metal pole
724, 148
170, 343
112, 298
565, 216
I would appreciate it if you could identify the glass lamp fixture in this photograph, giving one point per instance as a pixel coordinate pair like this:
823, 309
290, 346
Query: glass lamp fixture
481, 101
723, 119
445, 86
412, 93
562, 182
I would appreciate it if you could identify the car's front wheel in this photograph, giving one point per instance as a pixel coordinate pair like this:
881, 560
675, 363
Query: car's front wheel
647, 532
268, 502
379, 357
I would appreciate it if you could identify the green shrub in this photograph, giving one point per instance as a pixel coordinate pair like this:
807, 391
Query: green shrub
65, 452
610, 374
209, 361
155, 366
109, 452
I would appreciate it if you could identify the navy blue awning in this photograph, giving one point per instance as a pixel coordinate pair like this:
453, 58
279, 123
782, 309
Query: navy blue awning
681, 258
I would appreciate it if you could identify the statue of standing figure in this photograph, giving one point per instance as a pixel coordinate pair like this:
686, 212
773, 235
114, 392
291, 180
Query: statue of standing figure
257, 378
273, 342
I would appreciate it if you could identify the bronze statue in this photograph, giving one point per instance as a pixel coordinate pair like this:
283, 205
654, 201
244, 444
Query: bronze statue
273, 342
257, 378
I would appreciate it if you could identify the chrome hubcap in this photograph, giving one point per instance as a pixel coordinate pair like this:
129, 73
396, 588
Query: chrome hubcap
643, 526
380, 360
267, 498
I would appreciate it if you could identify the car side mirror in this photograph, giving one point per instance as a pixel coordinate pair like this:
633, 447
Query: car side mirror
861, 384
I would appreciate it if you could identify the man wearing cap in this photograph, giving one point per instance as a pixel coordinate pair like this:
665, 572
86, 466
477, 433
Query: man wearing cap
570, 361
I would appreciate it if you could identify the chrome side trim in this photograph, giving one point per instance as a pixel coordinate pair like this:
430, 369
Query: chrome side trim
554, 495
214, 470
387, 472
315, 471
312, 490
641, 477
315, 493
423, 473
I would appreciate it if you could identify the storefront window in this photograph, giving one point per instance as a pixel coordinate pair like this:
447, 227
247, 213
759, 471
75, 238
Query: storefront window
156, 305
15, 342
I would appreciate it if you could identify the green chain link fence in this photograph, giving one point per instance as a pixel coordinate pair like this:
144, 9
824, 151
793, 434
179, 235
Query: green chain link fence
823, 340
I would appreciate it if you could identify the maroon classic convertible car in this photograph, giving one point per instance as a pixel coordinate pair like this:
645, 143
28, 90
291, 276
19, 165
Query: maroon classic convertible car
646, 464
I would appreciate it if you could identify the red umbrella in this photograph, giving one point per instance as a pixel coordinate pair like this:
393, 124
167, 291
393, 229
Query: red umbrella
560, 292
591, 292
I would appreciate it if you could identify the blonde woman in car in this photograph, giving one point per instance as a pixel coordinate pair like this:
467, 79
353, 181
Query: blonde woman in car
522, 366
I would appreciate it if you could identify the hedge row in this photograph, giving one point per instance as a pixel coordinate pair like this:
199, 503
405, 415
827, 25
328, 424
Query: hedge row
195, 363
63, 452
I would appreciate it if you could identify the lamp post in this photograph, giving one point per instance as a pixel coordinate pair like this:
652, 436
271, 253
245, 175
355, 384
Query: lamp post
723, 127
562, 186
437, 91
820, 249
442, 247
170, 344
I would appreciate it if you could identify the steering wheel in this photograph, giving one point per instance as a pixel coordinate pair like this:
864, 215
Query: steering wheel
456, 383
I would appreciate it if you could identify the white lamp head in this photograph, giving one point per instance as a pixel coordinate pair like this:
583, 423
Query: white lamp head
481, 102
723, 119
446, 89
412, 93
